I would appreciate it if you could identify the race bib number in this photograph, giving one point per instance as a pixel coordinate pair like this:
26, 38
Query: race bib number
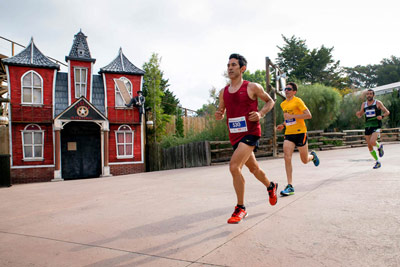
370, 113
290, 122
237, 125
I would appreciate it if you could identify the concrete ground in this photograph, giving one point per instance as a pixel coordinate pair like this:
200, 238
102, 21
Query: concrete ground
344, 213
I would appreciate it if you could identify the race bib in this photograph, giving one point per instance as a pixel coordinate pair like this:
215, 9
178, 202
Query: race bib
370, 113
290, 122
237, 125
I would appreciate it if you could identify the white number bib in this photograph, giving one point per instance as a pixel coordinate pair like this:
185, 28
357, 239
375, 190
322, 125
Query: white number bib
290, 122
370, 113
237, 125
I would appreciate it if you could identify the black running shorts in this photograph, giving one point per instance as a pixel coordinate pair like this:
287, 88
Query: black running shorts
371, 130
251, 140
298, 139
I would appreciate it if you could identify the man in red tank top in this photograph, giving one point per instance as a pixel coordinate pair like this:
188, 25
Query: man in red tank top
239, 99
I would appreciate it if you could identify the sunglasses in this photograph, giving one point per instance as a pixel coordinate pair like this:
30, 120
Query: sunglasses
288, 89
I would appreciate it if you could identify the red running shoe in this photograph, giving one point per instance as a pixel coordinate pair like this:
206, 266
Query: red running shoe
272, 188
238, 215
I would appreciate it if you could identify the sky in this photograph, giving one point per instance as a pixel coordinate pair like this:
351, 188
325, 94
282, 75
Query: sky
194, 38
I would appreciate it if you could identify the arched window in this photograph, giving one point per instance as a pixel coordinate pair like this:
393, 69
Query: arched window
32, 142
119, 101
32, 88
124, 140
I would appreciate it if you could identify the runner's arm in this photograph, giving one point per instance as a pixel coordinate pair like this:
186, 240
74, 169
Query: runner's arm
257, 91
219, 114
306, 115
382, 107
360, 112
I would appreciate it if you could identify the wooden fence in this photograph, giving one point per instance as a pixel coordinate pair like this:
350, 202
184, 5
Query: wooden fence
190, 124
183, 156
205, 153
318, 140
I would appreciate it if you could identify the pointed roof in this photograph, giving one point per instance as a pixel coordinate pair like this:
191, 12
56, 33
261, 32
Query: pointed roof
80, 49
121, 65
31, 57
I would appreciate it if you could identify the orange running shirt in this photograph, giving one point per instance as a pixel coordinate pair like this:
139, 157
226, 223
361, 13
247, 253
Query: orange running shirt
295, 106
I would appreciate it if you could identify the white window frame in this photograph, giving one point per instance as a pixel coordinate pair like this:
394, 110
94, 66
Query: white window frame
124, 143
81, 83
117, 92
32, 145
31, 87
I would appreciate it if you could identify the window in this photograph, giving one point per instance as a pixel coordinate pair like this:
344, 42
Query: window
32, 86
119, 101
80, 82
124, 140
32, 142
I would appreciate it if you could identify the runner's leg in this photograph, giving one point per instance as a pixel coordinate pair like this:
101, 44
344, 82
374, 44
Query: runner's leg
288, 148
255, 169
239, 158
304, 156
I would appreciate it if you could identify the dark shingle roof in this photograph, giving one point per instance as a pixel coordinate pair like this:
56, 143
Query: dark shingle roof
31, 57
61, 94
121, 65
80, 49
98, 93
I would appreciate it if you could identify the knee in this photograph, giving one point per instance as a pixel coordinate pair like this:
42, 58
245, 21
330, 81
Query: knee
235, 169
288, 158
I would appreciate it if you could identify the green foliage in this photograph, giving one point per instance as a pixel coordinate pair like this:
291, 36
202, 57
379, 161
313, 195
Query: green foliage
392, 103
179, 131
153, 92
347, 119
388, 71
323, 103
257, 77
169, 102
309, 66
215, 130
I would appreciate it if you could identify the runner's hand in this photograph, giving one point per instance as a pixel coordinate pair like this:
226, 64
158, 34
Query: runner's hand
219, 115
254, 116
280, 127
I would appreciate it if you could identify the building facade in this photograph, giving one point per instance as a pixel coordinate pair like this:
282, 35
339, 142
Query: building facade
75, 124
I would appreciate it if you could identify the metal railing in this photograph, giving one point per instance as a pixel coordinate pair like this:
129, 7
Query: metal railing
13, 44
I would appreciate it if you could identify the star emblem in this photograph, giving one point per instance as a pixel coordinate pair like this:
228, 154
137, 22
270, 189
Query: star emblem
82, 111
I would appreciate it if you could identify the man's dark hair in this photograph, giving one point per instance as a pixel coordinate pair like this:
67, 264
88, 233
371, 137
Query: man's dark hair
371, 90
294, 86
240, 58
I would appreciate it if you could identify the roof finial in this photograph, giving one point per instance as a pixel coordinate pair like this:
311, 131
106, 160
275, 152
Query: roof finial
31, 50
122, 58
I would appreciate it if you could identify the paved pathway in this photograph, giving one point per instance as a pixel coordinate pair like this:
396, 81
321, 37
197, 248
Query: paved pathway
344, 213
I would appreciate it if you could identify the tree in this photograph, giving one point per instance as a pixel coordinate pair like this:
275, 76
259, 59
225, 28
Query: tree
388, 71
152, 90
310, 66
257, 77
323, 103
169, 102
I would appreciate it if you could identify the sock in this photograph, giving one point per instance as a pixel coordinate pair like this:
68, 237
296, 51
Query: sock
373, 153
377, 144
241, 206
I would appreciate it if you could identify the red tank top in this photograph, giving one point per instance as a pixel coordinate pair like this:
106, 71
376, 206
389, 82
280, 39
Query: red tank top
238, 106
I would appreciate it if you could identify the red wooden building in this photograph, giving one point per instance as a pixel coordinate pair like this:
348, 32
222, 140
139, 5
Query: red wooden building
75, 124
